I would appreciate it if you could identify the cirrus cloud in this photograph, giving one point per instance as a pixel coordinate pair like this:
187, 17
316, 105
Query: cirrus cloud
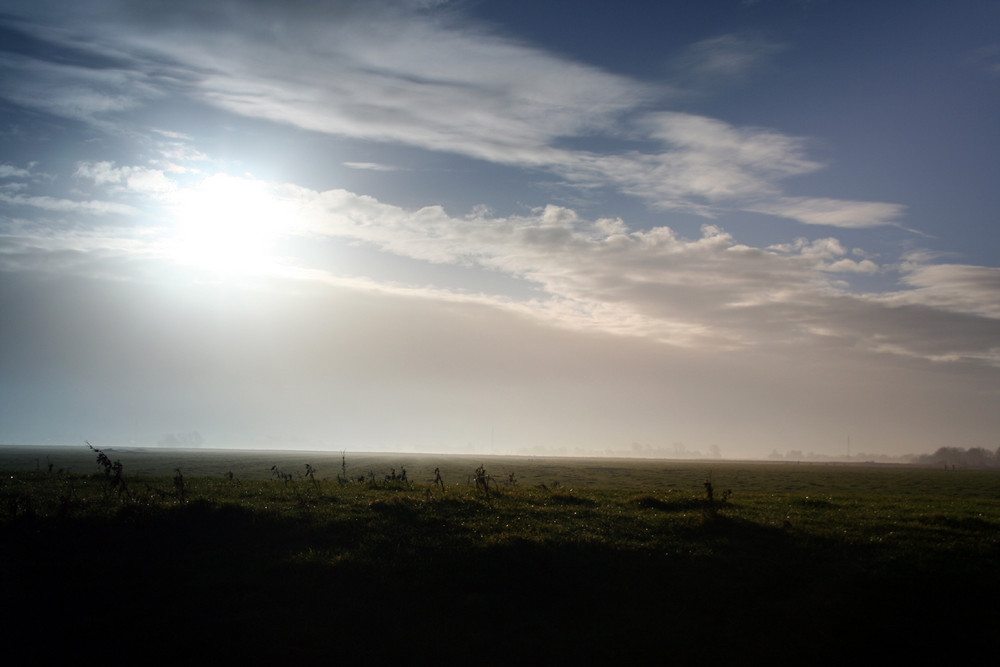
390, 74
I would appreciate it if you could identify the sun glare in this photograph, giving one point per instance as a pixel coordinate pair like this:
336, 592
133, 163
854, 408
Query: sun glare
229, 225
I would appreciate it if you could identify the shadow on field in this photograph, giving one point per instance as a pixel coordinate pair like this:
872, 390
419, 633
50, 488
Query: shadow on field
206, 582
678, 505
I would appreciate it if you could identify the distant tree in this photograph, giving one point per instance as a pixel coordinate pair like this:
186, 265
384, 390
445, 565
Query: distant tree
977, 457
956, 457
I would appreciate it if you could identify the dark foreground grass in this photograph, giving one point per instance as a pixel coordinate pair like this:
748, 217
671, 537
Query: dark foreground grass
795, 567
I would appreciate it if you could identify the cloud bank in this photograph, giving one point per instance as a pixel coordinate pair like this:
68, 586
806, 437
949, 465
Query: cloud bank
710, 292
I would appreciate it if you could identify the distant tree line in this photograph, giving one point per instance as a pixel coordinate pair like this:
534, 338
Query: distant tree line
948, 457
956, 457
798, 455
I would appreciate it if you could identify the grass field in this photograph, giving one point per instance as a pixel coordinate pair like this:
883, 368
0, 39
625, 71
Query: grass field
557, 560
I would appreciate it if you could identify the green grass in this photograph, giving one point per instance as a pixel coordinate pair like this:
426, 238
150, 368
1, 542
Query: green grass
608, 561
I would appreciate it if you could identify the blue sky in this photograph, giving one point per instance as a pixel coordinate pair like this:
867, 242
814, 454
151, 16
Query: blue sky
517, 227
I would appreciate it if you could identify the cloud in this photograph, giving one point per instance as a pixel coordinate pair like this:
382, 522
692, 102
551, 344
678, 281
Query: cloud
10, 171
177, 148
74, 91
68, 205
852, 266
708, 292
987, 59
140, 180
955, 287
171, 134
828, 253
409, 81
725, 60
387, 72
832, 212
703, 165
370, 166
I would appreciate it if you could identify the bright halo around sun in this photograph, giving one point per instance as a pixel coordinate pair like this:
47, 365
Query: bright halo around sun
230, 225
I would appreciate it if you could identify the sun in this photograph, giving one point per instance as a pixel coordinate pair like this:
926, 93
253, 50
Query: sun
229, 224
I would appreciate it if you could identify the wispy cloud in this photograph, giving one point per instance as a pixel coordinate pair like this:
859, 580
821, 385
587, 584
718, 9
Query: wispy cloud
987, 59
725, 60
701, 161
10, 171
68, 205
141, 180
74, 91
832, 212
389, 74
371, 166
955, 287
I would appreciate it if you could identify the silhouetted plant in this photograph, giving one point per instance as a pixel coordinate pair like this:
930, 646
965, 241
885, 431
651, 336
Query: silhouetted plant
437, 478
179, 486
482, 479
393, 480
342, 477
710, 509
115, 481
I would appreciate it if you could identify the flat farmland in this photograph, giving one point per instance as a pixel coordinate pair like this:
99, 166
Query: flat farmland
271, 556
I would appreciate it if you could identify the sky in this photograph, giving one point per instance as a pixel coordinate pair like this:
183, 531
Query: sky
723, 228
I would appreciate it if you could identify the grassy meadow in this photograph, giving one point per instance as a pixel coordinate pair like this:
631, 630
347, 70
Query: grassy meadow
266, 556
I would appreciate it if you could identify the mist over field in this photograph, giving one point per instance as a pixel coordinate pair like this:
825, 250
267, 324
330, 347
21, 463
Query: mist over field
736, 230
